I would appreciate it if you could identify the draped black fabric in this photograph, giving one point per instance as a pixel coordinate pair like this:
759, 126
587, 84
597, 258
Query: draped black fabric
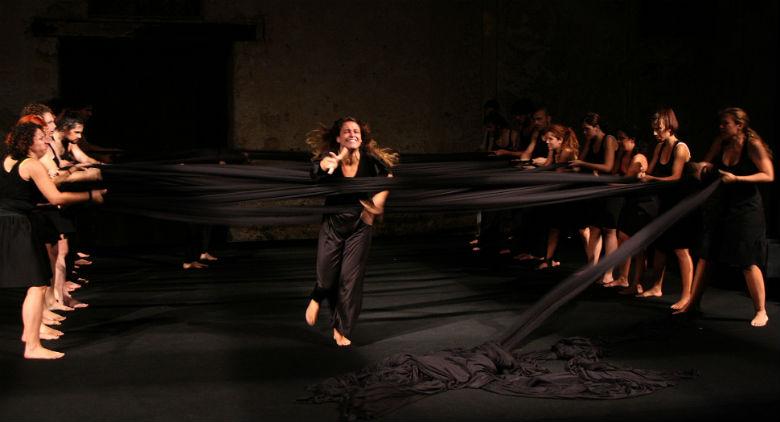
499, 366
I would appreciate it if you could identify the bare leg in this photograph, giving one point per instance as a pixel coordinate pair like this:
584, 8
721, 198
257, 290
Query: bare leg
635, 286
610, 245
659, 268
32, 309
594, 245
755, 284
552, 245
700, 277
686, 277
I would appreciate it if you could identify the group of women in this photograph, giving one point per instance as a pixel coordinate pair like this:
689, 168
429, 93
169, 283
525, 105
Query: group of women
735, 216
39, 156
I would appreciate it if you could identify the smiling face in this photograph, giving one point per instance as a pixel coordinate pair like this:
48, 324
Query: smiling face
38, 147
350, 136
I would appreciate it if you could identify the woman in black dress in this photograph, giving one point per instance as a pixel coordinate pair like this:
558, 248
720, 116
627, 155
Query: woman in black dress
637, 212
735, 230
346, 150
667, 165
23, 260
598, 156
563, 148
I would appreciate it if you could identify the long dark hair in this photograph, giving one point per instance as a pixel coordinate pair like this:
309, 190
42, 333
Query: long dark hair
322, 140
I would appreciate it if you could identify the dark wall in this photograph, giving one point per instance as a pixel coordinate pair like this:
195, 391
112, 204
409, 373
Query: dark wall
420, 71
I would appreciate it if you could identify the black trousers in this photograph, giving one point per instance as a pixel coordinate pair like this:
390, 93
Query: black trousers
342, 253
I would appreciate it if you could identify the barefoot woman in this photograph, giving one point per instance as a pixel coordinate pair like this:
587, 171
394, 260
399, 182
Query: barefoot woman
346, 150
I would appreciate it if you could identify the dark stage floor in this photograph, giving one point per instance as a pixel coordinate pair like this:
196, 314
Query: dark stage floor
230, 342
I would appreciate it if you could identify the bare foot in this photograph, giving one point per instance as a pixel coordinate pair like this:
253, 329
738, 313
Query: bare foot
208, 257
760, 320
548, 264
53, 316
474, 242
631, 290
620, 282
41, 352
681, 304
57, 306
75, 303
652, 292
82, 255
311, 312
71, 286
81, 262
524, 257
340, 339
48, 333
193, 265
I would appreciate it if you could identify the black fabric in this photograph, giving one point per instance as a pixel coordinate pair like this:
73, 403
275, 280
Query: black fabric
494, 366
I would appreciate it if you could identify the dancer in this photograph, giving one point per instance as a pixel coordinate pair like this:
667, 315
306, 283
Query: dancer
667, 165
735, 230
22, 257
598, 156
637, 212
562, 145
344, 151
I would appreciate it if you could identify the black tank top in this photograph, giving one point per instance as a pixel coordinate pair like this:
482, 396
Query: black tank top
16, 194
739, 191
665, 170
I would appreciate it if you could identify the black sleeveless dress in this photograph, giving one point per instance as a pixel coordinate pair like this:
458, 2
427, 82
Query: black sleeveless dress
734, 221
685, 233
603, 213
23, 260
638, 210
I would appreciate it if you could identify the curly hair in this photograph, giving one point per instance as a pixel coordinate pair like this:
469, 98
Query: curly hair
37, 109
322, 140
20, 139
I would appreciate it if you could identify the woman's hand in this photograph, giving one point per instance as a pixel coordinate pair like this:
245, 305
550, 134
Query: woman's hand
539, 161
97, 195
370, 211
727, 177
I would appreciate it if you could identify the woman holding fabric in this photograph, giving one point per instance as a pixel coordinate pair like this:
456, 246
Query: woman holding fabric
23, 260
345, 151
734, 229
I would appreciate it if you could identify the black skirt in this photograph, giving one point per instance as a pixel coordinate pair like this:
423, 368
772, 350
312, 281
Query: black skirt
23, 259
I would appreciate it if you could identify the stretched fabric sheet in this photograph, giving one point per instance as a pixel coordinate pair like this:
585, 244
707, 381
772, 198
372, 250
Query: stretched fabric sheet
500, 366
217, 194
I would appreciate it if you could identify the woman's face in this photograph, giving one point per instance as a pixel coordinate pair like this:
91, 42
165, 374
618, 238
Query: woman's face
74, 135
589, 132
729, 126
349, 137
626, 142
48, 118
553, 142
660, 131
38, 147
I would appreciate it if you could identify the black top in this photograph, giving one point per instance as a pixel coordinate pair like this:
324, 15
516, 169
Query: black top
16, 194
368, 166
738, 193
665, 170
600, 157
